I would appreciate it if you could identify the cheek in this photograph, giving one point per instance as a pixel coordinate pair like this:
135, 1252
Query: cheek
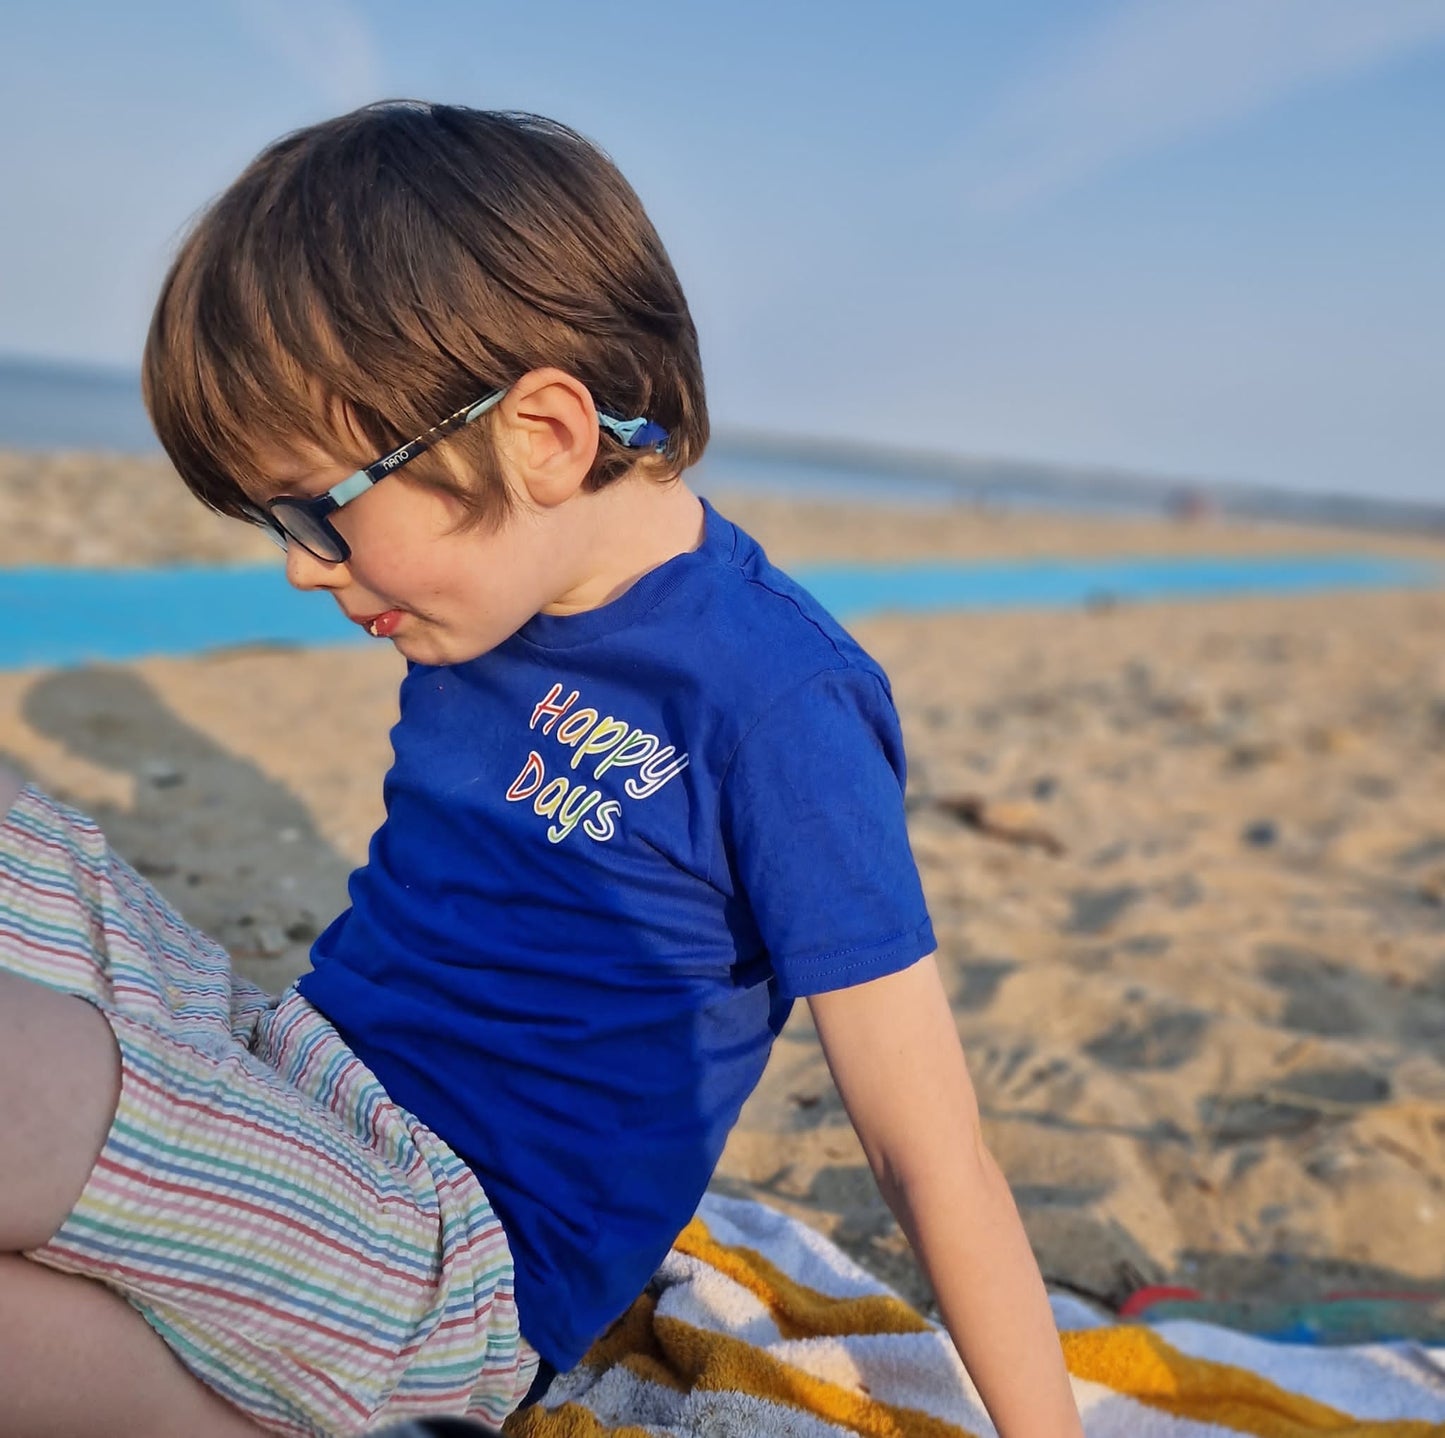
453, 583
402, 560
414, 555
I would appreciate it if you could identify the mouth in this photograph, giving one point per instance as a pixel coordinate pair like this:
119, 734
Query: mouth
379, 626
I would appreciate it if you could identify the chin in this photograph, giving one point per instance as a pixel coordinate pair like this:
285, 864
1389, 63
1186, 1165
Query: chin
437, 650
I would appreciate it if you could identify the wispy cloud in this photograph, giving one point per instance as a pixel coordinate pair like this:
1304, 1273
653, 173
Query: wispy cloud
325, 44
1152, 73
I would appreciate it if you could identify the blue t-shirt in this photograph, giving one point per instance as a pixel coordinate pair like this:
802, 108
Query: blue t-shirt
616, 848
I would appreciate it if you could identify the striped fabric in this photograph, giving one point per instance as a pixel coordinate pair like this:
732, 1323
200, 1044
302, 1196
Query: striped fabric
308, 1249
758, 1327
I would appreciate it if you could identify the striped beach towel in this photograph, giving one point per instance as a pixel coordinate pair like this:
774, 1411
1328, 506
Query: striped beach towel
758, 1327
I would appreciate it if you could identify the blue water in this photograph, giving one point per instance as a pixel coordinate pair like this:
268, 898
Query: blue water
854, 590
70, 616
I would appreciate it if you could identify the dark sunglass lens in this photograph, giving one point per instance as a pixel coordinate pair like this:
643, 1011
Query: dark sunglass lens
263, 521
307, 530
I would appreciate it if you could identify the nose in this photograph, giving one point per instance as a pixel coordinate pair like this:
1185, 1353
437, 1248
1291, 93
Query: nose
305, 572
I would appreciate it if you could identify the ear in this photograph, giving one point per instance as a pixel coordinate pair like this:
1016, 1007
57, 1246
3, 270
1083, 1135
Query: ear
548, 434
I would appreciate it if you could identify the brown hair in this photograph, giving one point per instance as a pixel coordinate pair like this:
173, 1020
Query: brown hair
367, 276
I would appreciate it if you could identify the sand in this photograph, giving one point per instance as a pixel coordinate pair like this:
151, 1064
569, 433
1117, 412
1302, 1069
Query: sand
1186, 863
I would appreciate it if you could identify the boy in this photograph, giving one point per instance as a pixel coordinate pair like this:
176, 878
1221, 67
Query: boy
645, 794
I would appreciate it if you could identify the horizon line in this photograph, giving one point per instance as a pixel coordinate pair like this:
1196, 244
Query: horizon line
981, 477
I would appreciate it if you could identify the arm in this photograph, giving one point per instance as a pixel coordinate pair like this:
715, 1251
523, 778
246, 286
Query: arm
894, 1054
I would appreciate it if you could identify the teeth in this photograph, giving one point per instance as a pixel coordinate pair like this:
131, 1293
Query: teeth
371, 628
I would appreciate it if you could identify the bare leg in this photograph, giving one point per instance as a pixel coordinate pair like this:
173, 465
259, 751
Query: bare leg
59, 1081
77, 1360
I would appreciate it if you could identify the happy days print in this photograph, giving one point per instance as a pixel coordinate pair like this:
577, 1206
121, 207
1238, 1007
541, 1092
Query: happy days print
603, 741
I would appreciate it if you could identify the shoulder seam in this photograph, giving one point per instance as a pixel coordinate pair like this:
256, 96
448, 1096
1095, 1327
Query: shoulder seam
759, 583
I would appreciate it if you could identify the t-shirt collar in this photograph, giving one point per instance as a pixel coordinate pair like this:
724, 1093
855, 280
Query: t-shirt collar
564, 631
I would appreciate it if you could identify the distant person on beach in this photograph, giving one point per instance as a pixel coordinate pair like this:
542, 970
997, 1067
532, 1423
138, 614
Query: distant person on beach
645, 794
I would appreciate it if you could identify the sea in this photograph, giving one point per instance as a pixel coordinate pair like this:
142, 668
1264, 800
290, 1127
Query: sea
69, 616
48, 404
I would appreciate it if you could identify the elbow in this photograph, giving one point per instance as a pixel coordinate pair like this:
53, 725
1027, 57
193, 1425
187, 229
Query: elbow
959, 1165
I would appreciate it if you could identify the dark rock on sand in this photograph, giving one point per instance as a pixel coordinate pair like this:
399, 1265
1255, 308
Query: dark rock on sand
1095, 910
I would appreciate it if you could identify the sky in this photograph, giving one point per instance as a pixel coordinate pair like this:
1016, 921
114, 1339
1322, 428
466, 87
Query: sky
1190, 238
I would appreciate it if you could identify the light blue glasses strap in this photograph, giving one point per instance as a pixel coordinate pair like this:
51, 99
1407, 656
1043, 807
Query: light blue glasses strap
638, 433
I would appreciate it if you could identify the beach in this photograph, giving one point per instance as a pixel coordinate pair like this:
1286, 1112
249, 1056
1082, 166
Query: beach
1186, 864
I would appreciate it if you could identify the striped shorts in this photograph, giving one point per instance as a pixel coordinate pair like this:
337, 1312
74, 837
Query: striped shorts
308, 1250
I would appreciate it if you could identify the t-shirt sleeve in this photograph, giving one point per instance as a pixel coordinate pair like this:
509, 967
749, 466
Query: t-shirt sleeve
814, 833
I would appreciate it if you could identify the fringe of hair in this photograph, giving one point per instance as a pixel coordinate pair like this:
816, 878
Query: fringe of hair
369, 275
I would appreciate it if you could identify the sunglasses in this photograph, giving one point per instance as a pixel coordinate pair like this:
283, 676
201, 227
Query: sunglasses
307, 522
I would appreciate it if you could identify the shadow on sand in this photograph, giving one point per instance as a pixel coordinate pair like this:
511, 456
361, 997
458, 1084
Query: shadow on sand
234, 850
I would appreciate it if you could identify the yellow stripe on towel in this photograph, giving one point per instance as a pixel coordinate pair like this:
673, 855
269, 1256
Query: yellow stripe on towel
665, 1366
720, 1363
571, 1420
799, 1312
1139, 1363
685, 1358
703, 1361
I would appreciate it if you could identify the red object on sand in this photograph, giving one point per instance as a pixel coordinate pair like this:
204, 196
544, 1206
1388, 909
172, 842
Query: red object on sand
1152, 1293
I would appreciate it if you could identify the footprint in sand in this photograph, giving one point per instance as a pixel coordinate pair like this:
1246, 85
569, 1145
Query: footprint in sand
1167, 1039
1324, 996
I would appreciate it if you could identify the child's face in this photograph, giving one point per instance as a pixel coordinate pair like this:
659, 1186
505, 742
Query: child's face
441, 593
